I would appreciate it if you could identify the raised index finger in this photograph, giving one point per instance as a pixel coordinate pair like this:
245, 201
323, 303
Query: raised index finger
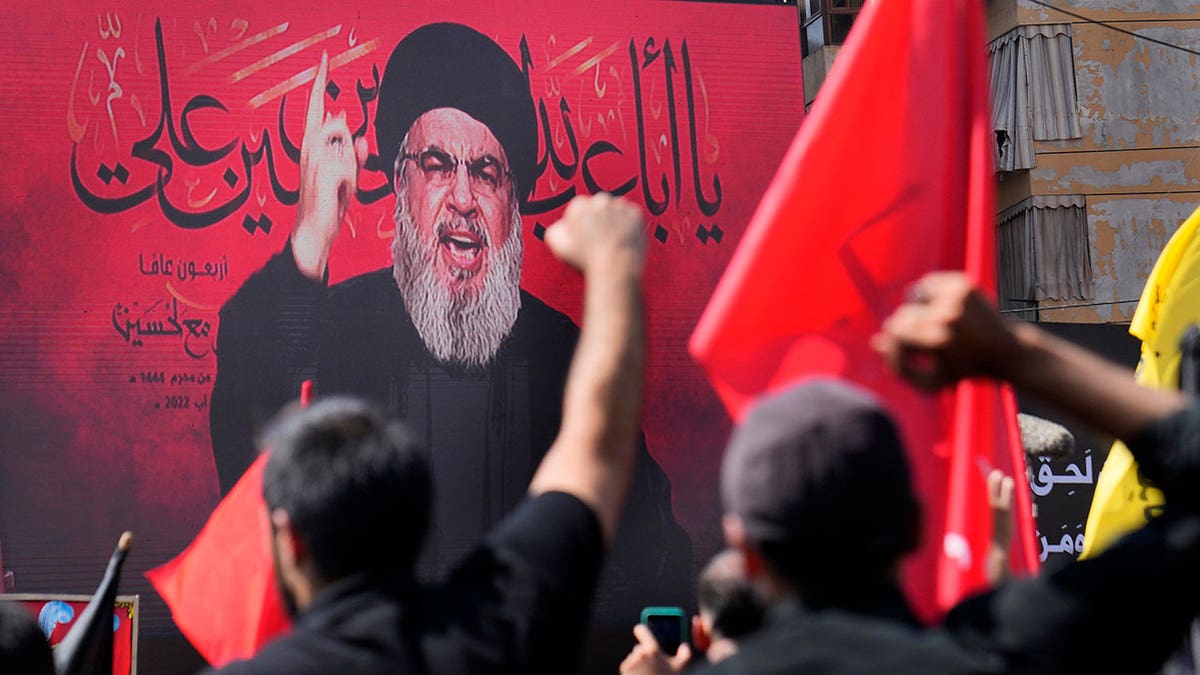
316, 99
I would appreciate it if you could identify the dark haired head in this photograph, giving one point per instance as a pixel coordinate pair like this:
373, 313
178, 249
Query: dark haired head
354, 484
728, 597
817, 469
23, 646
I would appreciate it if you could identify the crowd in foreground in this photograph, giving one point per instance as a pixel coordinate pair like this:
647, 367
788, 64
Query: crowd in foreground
348, 493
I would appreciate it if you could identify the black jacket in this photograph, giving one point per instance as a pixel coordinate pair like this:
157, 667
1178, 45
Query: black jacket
517, 604
1123, 611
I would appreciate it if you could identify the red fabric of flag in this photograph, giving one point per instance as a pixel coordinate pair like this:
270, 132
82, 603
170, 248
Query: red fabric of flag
221, 590
889, 178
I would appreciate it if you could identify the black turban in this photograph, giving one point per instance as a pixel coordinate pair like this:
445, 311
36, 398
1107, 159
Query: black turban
447, 65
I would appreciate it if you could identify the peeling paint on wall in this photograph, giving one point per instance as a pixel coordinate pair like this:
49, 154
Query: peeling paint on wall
1134, 174
1139, 108
1128, 87
1126, 6
1127, 235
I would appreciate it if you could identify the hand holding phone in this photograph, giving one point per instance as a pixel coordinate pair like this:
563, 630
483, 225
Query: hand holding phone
669, 626
661, 647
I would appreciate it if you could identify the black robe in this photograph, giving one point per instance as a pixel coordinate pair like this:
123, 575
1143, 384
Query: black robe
486, 429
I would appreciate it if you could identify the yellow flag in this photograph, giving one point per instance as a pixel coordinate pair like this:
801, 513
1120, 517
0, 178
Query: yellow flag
1169, 304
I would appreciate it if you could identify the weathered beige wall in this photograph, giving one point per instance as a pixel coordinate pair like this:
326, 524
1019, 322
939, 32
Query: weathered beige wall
1126, 233
1134, 171
1001, 17
815, 68
1011, 189
1113, 11
1134, 93
1137, 162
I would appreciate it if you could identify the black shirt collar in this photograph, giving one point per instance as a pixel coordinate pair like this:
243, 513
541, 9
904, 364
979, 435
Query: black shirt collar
882, 600
345, 595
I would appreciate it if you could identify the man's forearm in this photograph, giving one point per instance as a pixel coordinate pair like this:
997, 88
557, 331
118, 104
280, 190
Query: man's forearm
602, 397
1084, 385
946, 330
594, 453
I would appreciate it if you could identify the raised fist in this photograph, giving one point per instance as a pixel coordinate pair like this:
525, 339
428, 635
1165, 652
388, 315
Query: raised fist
598, 230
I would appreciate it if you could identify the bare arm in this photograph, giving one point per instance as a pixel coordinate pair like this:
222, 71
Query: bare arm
593, 456
1087, 386
948, 331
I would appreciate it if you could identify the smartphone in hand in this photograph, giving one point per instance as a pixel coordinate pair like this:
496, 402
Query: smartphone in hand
669, 626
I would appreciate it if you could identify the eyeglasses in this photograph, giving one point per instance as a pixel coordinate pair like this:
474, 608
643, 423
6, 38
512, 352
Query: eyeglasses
486, 174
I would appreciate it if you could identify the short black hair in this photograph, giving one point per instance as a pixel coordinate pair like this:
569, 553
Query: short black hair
23, 645
724, 592
355, 485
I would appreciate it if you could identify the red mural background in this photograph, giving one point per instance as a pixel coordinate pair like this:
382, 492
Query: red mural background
150, 169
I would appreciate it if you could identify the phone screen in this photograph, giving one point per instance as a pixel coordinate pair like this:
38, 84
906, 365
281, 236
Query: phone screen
668, 624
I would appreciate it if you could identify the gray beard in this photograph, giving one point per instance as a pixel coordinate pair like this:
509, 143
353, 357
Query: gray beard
465, 327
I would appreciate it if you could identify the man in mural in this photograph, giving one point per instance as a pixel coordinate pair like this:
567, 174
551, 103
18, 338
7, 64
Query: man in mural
445, 338
348, 492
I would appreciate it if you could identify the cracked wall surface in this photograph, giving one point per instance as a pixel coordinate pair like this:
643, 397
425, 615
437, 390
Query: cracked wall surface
1136, 163
1126, 234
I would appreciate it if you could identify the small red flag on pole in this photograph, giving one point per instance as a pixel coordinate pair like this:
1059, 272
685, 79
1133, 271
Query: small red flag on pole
222, 589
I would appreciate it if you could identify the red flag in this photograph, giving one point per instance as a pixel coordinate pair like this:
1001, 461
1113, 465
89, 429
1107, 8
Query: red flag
890, 177
984, 433
221, 590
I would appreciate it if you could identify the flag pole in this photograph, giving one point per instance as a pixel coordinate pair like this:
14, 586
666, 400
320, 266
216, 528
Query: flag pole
87, 648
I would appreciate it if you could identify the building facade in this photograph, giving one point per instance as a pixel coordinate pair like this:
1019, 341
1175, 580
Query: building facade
1096, 110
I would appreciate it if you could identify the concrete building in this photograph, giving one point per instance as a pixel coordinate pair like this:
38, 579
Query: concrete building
1096, 111
1096, 108
824, 25
1099, 109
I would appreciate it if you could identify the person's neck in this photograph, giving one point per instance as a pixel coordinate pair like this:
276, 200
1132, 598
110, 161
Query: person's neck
774, 588
721, 649
861, 591
303, 594
306, 584
316, 586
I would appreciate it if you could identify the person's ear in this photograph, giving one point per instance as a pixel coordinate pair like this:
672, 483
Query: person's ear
292, 550
735, 537
734, 530
701, 638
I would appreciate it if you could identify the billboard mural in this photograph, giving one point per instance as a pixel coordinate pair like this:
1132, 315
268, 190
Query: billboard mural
162, 296
56, 615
